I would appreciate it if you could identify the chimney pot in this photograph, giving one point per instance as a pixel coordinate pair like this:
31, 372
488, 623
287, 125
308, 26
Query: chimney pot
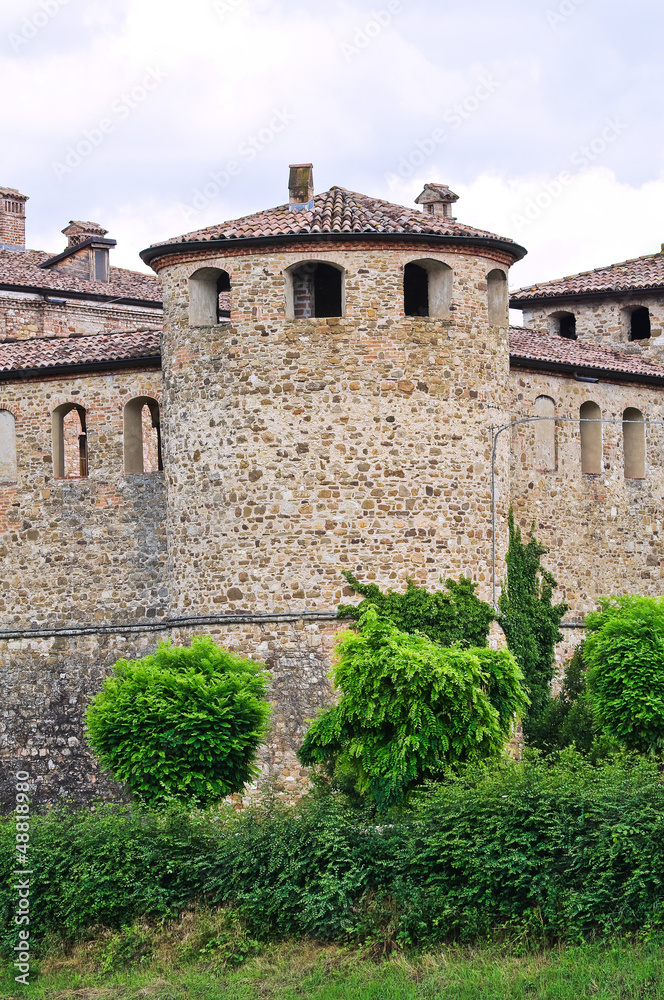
301, 187
437, 199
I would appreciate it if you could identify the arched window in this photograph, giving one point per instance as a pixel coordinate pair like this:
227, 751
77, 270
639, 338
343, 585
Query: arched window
314, 289
564, 324
142, 436
639, 324
545, 434
209, 297
634, 444
8, 471
497, 298
590, 417
70, 442
427, 288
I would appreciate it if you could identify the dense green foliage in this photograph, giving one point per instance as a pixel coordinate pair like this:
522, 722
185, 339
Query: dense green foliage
555, 851
454, 616
411, 709
530, 621
184, 723
569, 717
625, 652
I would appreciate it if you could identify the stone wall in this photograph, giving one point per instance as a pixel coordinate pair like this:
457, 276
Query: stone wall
80, 550
24, 316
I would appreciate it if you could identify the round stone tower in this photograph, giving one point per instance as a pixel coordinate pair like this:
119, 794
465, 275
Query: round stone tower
333, 369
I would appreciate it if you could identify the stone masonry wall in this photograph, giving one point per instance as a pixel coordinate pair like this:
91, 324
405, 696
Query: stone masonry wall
79, 551
24, 316
298, 448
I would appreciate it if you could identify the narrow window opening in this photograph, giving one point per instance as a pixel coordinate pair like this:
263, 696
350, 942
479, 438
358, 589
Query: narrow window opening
315, 290
142, 436
634, 444
567, 326
545, 434
209, 297
415, 290
8, 465
101, 265
590, 416
70, 442
497, 298
640, 324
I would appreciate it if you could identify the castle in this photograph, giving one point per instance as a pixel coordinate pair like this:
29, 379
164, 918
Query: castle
332, 384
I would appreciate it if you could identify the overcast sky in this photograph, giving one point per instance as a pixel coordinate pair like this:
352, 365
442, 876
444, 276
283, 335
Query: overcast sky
157, 117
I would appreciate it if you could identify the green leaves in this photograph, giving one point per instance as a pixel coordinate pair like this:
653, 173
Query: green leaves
184, 723
411, 709
625, 653
449, 617
530, 621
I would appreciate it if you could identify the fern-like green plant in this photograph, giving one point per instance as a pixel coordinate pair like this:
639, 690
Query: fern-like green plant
411, 709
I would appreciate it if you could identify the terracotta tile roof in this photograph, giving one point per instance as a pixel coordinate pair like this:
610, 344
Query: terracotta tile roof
336, 211
20, 269
639, 273
97, 348
532, 345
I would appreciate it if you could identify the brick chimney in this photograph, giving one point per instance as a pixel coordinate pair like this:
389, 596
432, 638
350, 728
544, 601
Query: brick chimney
77, 232
87, 252
12, 217
437, 199
301, 187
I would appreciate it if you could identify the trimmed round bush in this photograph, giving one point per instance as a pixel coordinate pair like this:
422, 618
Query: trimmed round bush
182, 724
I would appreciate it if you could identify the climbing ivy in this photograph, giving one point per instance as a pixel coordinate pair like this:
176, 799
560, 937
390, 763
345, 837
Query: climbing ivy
454, 616
530, 621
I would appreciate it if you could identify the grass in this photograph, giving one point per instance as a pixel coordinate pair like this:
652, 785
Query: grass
208, 956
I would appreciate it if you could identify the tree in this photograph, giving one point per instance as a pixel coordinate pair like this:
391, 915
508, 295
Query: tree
530, 621
455, 615
569, 718
184, 723
411, 709
625, 652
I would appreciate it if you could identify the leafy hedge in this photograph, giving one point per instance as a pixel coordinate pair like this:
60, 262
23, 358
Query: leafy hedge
553, 852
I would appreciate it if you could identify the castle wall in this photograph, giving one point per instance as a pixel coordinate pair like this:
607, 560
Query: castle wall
80, 550
298, 448
604, 320
24, 316
604, 531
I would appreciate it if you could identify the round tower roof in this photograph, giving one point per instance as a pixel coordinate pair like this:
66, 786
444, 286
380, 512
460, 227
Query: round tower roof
336, 214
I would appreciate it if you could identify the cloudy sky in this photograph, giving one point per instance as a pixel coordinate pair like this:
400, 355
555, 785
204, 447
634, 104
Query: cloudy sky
156, 117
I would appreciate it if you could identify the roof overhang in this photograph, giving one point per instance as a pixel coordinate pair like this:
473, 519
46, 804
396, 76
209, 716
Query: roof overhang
217, 247
585, 372
152, 361
563, 297
65, 293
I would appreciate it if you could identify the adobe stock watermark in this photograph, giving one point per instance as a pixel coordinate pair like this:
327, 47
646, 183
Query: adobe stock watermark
365, 33
22, 874
120, 110
563, 11
582, 158
455, 118
248, 150
34, 23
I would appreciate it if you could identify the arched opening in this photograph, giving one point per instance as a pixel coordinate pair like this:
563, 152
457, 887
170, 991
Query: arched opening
209, 297
639, 324
427, 288
142, 436
590, 416
314, 289
634, 444
545, 434
564, 324
497, 298
8, 468
70, 442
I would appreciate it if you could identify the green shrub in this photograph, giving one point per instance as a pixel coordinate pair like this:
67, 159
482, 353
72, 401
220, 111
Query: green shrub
184, 723
625, 653
569, 718
455, 616
411, 709
530, 621
542, 851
